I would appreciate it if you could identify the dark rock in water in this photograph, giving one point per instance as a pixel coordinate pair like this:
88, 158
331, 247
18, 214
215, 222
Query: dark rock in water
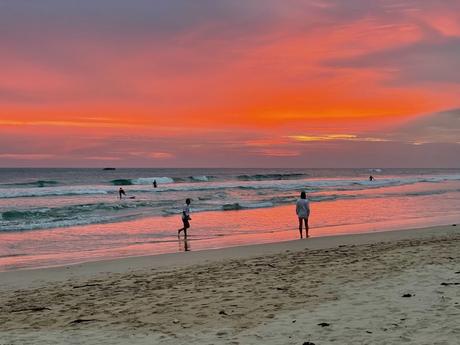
323, 324
308, 343
407, 295
454, 224
109, 169
223, 312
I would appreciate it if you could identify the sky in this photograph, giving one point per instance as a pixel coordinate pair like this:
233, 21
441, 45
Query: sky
229, 83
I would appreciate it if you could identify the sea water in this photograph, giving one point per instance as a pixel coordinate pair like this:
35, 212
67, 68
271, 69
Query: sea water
57, 216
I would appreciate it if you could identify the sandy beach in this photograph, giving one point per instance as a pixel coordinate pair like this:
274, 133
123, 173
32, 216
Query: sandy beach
381, 288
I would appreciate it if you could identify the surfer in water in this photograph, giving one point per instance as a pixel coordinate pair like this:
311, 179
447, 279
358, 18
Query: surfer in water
185, 218
155, 184
371, 178
121, 193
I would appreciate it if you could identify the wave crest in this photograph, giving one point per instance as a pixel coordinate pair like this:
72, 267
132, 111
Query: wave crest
263, 177
38, 183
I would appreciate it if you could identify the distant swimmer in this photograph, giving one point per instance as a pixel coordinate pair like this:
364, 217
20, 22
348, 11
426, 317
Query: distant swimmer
155, 184
121, 192
185, 218
303, 212
371, 178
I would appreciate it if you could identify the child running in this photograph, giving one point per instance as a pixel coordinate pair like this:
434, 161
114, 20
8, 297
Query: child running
185, 218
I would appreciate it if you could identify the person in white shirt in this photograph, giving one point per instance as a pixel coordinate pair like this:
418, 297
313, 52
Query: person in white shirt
302, 210
185, 218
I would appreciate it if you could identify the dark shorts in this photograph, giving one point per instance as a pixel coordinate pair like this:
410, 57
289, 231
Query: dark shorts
186, 223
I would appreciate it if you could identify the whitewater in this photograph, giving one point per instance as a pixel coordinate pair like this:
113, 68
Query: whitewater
32, 199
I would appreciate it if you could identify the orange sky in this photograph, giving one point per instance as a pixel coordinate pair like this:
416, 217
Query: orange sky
230, 83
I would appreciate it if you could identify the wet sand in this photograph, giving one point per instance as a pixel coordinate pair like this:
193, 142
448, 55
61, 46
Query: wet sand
379, 288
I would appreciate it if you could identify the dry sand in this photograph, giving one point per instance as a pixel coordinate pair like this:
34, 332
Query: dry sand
322, 291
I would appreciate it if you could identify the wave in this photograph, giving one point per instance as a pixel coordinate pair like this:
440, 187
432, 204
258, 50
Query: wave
38, 183
142, 181
160, 180
122, 182
264, 177
54, 212
29, 193
241, 206
149, 180
144, 186
72, 215
114, 211
63, 223
202, 178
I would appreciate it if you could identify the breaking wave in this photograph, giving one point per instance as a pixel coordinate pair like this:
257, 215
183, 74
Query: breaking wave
264, 177
38, 183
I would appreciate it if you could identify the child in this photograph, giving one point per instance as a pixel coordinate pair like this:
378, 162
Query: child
303, 212
185, 218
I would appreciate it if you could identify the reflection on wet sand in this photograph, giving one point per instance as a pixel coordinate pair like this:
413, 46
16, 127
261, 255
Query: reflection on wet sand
184, 245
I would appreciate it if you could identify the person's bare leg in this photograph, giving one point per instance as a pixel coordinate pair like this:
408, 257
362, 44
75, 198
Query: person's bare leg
300, 227
179, 231
306, 227
185, 233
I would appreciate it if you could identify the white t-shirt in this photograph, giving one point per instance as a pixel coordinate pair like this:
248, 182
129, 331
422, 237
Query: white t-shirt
186, 212
302, 208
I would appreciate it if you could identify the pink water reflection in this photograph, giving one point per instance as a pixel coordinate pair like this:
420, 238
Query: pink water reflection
157, 235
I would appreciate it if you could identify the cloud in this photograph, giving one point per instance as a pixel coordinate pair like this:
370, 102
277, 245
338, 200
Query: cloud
436, 128
441, 127
433, 61
241, 82
274, 152
333, 137
103, 158
26, 156
160, 155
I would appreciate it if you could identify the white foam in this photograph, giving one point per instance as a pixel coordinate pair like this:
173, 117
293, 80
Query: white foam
57, 191
149, 180
200, 178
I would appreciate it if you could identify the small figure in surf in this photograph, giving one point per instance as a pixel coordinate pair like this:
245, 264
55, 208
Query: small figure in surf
185, 218
302, 210
371, 178
121, 192
155, 184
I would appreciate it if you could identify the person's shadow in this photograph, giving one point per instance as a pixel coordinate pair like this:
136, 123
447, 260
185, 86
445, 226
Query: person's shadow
184, 245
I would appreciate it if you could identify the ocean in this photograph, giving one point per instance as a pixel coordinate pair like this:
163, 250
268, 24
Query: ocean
60, 216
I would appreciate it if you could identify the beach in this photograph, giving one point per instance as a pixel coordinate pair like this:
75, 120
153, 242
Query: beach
230, 172
375, 288
55, 217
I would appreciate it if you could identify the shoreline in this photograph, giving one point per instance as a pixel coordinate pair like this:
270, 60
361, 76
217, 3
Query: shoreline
27, 277
211, 230
394, 287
